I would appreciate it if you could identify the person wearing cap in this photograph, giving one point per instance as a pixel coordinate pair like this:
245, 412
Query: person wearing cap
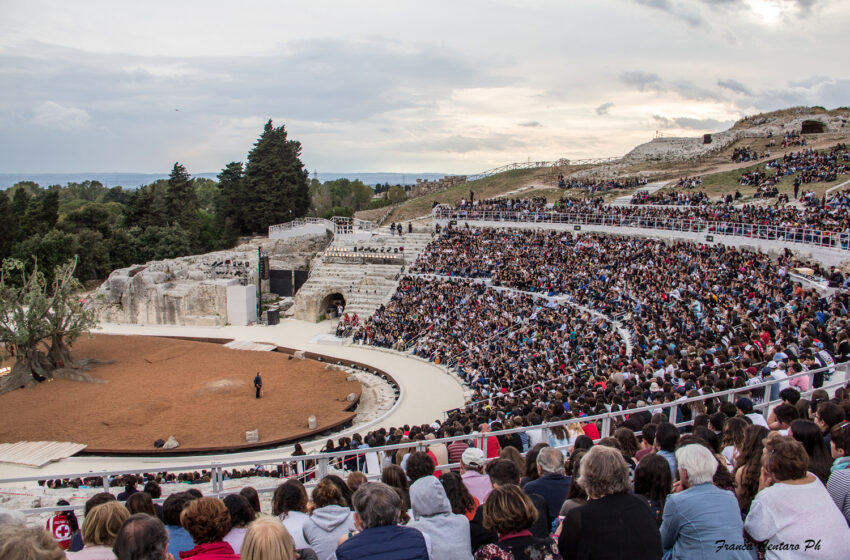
745, 408
472, 473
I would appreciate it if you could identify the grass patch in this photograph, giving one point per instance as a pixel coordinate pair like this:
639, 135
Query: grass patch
488, 187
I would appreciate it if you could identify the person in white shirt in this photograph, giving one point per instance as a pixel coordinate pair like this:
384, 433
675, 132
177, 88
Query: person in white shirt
793, 508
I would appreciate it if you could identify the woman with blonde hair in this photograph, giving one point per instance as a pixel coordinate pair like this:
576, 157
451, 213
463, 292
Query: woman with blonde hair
100, 528
267, 539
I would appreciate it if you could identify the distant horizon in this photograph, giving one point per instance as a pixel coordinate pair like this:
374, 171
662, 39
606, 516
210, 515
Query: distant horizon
129, 180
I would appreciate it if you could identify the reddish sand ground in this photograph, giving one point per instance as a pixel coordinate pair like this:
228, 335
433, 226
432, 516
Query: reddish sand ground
201, 393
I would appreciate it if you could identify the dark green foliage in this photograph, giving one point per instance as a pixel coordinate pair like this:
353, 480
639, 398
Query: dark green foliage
206, 191
229, 203
339, 211
181, 201
209, 235
93, 255
340, 193
146, 206
109, 228
166, 242
275, 181
8, 226
122, 247
53, 249
42, 212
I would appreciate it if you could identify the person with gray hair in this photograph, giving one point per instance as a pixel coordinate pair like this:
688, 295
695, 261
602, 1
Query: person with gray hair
700, 520
12, 517
551, 484
18, 541
376, 513
614, 523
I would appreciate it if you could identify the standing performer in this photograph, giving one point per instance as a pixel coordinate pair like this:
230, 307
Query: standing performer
258, 384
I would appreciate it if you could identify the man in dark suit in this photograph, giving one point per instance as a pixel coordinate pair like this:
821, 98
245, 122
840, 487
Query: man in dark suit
258, 385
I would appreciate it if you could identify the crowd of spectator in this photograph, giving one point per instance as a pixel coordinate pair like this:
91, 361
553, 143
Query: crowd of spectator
808, 166
670, 198
689, 182
733, 484
602, 185
820, 223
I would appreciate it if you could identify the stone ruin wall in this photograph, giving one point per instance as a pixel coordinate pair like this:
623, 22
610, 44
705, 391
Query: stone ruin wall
427, 187
192, 290
686, 148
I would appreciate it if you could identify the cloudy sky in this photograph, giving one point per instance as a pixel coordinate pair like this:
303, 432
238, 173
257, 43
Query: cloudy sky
437, 86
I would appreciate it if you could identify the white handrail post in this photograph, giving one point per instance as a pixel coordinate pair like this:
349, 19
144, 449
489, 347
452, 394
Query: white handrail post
606, 426
322, 468
674, 413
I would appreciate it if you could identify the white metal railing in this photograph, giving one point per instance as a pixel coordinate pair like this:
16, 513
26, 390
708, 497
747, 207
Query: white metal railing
840, 375
279, 228
809, 235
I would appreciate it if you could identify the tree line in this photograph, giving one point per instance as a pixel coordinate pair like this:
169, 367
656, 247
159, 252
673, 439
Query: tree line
109, 228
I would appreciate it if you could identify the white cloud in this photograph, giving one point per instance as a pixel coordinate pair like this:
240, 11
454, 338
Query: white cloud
53, 115
403, 86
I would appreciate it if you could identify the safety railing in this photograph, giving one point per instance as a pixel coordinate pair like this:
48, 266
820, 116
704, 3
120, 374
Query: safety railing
279, 228
812, 236
319, 465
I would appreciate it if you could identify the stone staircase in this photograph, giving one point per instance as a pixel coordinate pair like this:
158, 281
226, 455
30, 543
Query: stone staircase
360, 276
648, 189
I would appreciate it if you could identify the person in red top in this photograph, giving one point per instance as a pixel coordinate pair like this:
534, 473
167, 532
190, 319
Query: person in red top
493, 448
207, 521
62, 526
591, 431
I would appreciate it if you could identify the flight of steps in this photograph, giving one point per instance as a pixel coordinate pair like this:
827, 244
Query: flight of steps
648, 189
364, 286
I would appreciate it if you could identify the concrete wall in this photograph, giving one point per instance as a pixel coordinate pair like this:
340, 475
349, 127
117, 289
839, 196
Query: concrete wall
241, 304
306, 229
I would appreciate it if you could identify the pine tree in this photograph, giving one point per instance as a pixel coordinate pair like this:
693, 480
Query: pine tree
230, 202
181, 201
276, 186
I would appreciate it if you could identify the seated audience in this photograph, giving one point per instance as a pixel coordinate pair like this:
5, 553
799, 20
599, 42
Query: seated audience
19, 541
179, 539
330, 520
289, 504
472, 473
509, 513
241, 515
207, 521
551, 484
701, 520
614, 523
100, 527
376, 513
432, 515
142, 537
653, 482
793, 507
140, 502
839, 477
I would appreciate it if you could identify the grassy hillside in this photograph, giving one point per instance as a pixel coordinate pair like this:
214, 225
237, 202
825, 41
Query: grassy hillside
488, 187
719, 174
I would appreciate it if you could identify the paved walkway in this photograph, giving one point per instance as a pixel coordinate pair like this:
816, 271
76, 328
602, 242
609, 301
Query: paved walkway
426, 392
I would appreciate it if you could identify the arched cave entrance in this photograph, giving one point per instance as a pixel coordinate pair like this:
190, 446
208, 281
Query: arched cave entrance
813, 127
331, 304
